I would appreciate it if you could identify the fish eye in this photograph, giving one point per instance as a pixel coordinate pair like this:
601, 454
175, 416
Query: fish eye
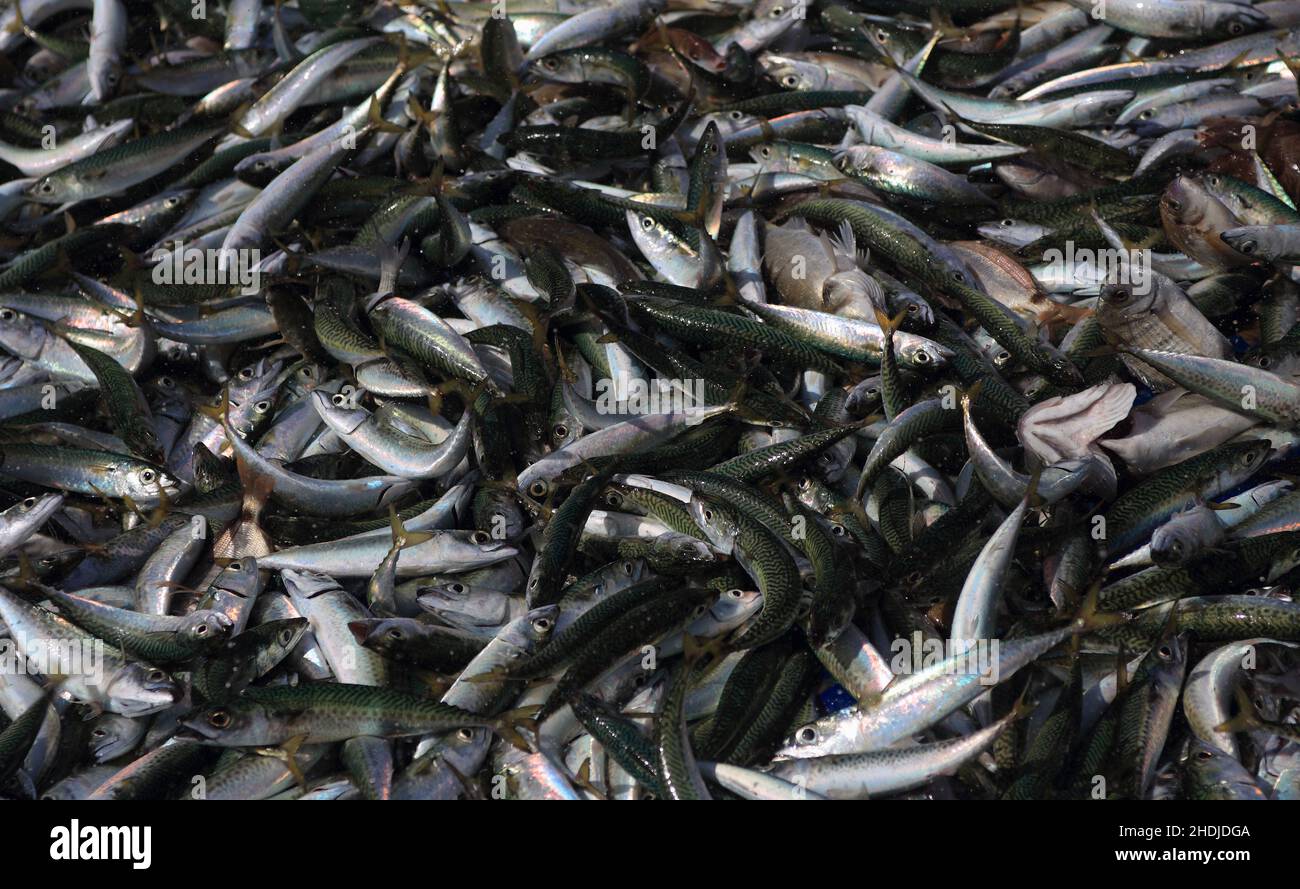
614, 498
1264, 361
1247, 246
171, 202
542, 625
765, 151
778, 11
806, 735
1212, 180
147, 475
790, 80
560, 431
457, 588
1008, 223
838, 530
219, 718
957, 276
882, 35
166, 382
921, 358
1235, 28
647, 223
1165, 652
465, 734
550, 64
235, 566
1147, 115
736, 115
338, 400
1248, 458
1174, 205
285, 637
480, 537
155, 676
29, 503
628, 568
47, 187
395, 633
99, 733
8, 314
708, 515
735, 594
247, 373
201, 630
1203, 754
1121, 294
538, 489
262, 406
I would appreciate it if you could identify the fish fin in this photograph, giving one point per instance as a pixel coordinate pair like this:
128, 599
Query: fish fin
1090, 618
1031, 490
844, 240
403, 538
390, 264
509, 724
375, 119
971, 394
941, 23
1247, 718
496, 674
1221, 507
257, 488
583, 780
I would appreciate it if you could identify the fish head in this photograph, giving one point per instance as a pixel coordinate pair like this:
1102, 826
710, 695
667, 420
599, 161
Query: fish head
241, 724
338, 412
56, 188
718, 525
735, 606
21, 334
792, 74
382, 634
148, 484
925, 355
678, 553
239, 577
139, 690
531, 630
1227, 20
302, 585
111, 736
822, 737
209, 628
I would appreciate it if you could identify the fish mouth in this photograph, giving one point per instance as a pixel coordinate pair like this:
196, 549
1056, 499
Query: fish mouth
193, 730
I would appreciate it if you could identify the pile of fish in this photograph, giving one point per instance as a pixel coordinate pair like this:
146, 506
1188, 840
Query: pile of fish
626, 399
